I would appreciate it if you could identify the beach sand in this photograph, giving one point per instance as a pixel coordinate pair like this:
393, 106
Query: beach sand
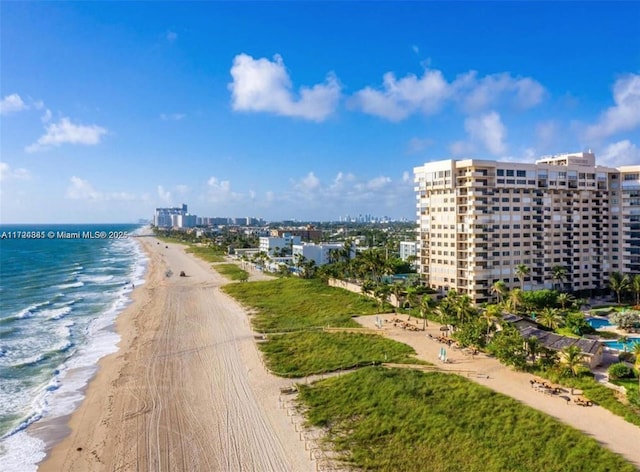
186, 390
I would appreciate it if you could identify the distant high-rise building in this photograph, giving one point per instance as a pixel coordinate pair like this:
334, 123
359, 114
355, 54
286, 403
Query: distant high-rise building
479, 220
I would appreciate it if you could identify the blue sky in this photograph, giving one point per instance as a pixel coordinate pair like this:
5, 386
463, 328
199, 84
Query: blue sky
297, 110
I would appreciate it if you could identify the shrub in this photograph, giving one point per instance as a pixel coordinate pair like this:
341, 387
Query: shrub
620, 371
626, 357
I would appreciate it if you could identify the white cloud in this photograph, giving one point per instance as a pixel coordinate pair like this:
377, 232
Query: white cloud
624, 115
308, 183
172, 116
460, 148
66, 132
182, 188
264, 85
12, 103
619, 154
163, 194
6, 173
477, 94
219, 191
81, 189
488, 130
46, 117
400, 98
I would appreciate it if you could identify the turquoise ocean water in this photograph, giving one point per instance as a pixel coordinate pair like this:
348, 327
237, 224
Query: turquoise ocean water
59, 297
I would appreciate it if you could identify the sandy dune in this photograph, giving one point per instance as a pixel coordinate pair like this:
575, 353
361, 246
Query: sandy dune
186, 391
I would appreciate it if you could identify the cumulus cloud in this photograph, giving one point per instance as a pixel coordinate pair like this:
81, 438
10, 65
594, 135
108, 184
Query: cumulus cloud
81, 189
12, 103
624, 115
219, 191
400, 98
261, 85
479, 93
307, 184
488, 130
7, 173
619, 154
67, 132
164, 195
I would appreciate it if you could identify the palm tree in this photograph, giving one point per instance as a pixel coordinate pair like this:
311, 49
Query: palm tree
550, 318
522, 270
572, 358
398, 291
515, 299
623, 340
558, 274
635, 287
464, 308
427, 304
382, 292
500, 290
490, 316
533, 347
619, 282
565, 299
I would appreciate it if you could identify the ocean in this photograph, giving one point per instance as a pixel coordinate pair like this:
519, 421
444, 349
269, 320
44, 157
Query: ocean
61, 288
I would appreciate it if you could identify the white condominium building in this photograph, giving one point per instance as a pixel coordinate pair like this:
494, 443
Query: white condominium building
479, 220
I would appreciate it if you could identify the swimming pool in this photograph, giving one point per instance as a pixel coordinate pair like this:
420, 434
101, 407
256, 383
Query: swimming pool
619, 346
598, 323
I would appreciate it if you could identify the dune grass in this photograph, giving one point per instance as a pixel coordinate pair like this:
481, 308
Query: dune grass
292, 304
231, 271
314, 352
206, 253
395, 419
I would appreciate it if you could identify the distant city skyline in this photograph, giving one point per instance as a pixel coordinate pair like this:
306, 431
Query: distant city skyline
297, 110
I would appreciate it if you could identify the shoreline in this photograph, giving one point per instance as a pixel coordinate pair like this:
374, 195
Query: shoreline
186, 389
56, 431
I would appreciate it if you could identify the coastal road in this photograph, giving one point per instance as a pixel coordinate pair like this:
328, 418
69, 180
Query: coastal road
190, 393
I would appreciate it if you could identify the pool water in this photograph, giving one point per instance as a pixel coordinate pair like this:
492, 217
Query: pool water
597, 323
620, 346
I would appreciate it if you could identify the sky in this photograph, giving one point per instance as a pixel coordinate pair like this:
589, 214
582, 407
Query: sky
297, 110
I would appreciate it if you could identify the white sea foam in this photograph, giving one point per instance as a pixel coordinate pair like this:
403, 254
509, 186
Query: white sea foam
21, 452
70, 285
30, 310
64, 391
56, 313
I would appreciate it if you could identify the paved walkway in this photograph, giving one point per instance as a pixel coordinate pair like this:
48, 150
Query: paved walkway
610, 430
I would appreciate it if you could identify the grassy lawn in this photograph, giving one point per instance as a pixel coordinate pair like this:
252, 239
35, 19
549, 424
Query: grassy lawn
633, 393
395, 419
292, 304
314, 352
231, 271
206, 253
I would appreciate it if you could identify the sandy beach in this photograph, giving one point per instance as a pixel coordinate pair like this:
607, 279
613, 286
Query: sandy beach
186, 390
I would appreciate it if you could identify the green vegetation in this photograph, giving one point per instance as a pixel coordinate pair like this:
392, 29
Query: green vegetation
232, 271
395, 419
289, 304
633, 392
206, 253
313, 352
620, 370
